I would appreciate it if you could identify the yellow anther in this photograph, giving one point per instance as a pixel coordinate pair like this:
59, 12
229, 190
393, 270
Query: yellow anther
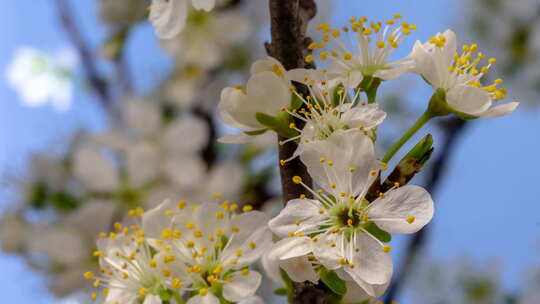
98, 253
152, 263
349, 222
282, 162
235, 229
410, 219
88, 275
190, 244
309, 58
323, 55
181, 204
239, 252
176, 284
203, 292
143, 292
330, 163
168, 258
398, 16
234, 207
233, 262
302, 196
347, 56
333, 186
321, 211
297, 179
342, 261
381, 44
492, 60
252, 245
373, 172
364, 218
169, 212
298, 223
218, 269
93, 296
387, 248
245, 271
322, 159
117, 226
292, 125
166, 273
396, 184
312, 46
247, 208
190, 225
219, 215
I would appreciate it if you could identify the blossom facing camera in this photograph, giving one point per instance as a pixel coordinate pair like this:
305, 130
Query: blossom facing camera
169, 16
363, 48
202, 250
339, 229
457, 78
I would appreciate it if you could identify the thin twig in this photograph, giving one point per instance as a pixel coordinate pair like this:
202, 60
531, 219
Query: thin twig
453, 128
97, 83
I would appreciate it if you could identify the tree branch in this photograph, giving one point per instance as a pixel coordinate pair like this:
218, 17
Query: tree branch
288, 23
97, 83
453, 128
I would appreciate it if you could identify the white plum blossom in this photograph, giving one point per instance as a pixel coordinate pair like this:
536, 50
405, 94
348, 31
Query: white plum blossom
267, 91
42, 78
94, 170
208, 36
329, 108
334, 228
209, 246
169, 16
365, 49
128, 267
459, 76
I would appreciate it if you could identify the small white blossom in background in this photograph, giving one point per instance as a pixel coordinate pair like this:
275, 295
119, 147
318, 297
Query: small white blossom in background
169, 16
41, 78
203, 251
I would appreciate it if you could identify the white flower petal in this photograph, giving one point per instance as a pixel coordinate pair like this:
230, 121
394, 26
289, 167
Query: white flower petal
500, 110
242, 286
398, 205
356, 294
303, 210
373, 266
299, 269
267, 93
206, 5
209, 298
327, 255
266, 65
346, 149
168, 17
468, 99
367, 116
152, 299
270, 264
232, 110
291, 247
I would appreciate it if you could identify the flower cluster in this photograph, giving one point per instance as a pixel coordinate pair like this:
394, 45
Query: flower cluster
203, 251
338, 234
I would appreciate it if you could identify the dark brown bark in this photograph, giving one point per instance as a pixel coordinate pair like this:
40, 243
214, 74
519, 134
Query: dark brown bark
289, 20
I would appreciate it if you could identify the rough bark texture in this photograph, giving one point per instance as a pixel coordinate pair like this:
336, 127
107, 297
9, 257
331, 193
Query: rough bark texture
453, 129
289, 20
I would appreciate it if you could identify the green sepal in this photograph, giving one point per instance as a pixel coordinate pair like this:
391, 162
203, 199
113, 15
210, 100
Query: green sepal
377, 232
63, 201
331, 279
267, 120
256, 132
164, 294
465, 116
296, 102
280, 291
438, 106
371, 91
421, 152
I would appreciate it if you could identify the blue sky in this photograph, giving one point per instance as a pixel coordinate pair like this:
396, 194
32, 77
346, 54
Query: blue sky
488, 206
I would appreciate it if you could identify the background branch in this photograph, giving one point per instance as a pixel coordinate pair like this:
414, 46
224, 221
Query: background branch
453, 129
96, 82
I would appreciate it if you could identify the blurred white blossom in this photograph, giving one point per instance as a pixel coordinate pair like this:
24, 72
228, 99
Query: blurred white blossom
41, 78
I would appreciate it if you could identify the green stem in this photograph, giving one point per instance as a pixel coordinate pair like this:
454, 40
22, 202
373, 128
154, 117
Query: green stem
412, 130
